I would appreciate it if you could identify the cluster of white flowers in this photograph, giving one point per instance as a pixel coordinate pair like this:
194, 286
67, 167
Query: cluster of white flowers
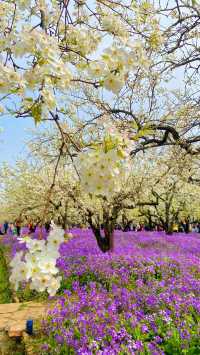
114, 25
10, 78
6, 9
103, 169
49, 72
38, 264
46, 55
115, 64
81, 40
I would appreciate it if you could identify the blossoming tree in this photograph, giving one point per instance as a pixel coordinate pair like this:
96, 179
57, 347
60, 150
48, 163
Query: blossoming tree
83, 60
169, 179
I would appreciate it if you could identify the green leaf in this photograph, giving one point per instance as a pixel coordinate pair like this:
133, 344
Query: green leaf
134, 125
29, 99
36, 112
109, 144
14, 91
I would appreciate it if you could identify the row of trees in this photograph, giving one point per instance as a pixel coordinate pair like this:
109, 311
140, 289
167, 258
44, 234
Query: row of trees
159, 189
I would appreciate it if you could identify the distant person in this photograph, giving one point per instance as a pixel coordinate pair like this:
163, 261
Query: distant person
127, 228
140, 228
14, 230
32, 228
159, 228
47, 226
181, 227
10, 228
175, 228
184, 226
5, 226
187, 226
133, 227
18, 227
194, 228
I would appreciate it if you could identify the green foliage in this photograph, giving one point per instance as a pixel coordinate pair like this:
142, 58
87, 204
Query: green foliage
36, 112
194, 2
5, 292
25, 294
84, 280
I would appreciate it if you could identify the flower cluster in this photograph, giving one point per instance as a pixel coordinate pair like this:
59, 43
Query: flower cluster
115, 64
104, 168
47, 59
81, 41
9, 77
114, 25
37, 264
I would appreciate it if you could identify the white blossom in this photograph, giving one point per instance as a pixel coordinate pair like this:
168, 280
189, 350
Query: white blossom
38, 264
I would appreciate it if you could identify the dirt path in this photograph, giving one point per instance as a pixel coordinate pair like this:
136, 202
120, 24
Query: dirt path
13, 316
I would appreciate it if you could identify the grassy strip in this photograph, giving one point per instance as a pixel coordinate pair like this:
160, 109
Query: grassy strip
5, 291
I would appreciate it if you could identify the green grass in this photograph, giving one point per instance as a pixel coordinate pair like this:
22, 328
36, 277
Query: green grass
5, 291
12, 347
25, 294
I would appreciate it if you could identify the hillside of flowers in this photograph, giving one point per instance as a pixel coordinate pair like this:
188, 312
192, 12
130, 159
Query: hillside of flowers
142, 298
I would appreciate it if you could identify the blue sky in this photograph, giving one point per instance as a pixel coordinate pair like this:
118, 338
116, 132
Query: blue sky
12, 139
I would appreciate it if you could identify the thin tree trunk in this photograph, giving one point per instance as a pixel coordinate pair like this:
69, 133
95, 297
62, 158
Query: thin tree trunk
169, 230
168, 223
109, 235
103, 242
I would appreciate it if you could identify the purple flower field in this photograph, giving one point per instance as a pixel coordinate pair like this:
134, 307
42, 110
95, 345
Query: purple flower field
144, 298
141, 299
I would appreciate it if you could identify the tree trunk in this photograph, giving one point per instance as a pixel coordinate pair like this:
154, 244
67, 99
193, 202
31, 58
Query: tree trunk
109, 235
187, 226
169, 229
65, 216
64, 222
150, 223
168, 223
105, 242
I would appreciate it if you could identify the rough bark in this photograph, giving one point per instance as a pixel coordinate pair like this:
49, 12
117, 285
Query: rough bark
103, 242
